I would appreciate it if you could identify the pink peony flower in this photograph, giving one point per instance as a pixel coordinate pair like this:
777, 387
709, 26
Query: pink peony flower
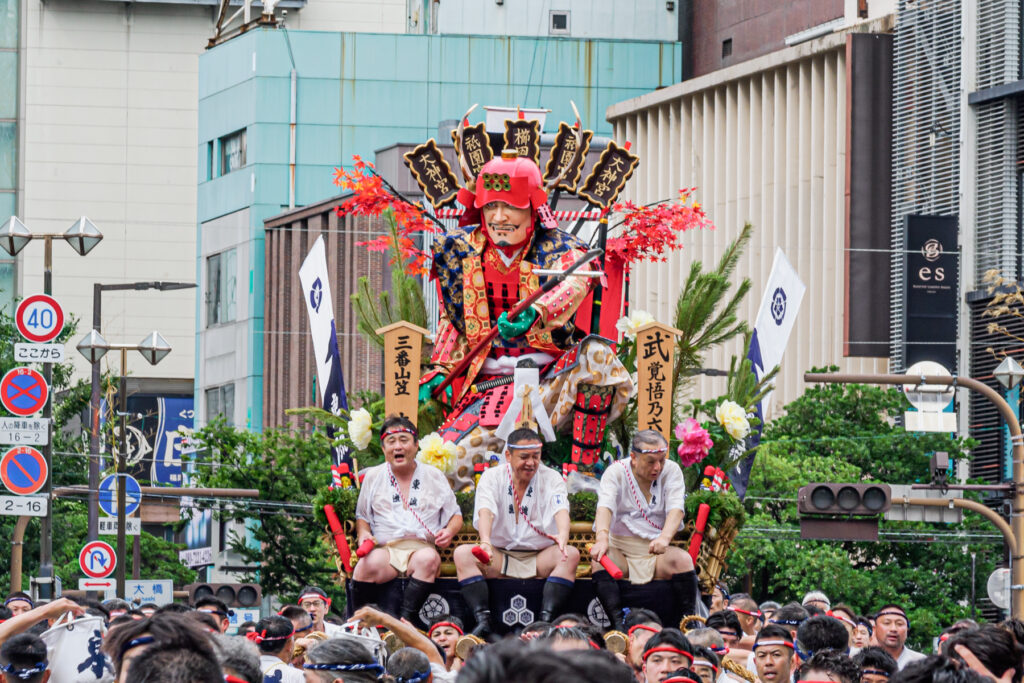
696, 442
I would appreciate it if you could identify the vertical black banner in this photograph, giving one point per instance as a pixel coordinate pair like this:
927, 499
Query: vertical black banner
933, 274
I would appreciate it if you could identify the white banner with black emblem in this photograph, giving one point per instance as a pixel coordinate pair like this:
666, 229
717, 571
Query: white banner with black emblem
777, 315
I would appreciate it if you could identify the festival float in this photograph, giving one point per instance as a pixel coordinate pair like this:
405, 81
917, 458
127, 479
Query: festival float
586, 374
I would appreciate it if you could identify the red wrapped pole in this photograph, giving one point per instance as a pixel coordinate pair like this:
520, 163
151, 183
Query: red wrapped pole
340, 539
698, 530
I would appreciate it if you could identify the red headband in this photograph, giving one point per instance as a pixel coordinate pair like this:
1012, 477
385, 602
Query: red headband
667, 648
774, 641
678, 679
228, 678
841, 617
704, 662
397, 430
439, 624
893, 613
642, 627
757, 614
314, 595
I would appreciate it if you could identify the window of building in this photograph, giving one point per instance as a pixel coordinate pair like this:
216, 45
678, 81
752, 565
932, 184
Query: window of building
221, 401
559, 23
232, 152
211, 172
726, 47
221, 287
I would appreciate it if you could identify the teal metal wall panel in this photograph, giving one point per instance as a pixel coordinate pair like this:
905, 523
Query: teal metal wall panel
224, 195
228, 65
318, 145
228, 110
318, 101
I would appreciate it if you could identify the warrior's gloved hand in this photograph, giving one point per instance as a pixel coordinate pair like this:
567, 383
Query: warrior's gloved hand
510, 329
427, 388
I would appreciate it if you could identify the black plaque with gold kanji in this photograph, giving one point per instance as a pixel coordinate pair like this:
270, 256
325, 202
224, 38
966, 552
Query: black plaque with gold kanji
433, 173
563, 153
476, 146
523, 136
608, 176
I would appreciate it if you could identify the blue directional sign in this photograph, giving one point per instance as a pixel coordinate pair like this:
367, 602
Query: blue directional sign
108, 494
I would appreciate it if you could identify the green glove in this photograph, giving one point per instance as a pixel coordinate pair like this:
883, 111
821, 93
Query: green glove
510, 329
427, 389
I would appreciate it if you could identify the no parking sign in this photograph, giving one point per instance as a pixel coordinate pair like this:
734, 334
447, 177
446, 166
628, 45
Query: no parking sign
23, 391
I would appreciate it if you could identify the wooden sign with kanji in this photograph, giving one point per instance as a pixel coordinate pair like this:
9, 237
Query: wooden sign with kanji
476, 146
523, 135
655, 355
609, 176
433, 173
403, 344
563, 153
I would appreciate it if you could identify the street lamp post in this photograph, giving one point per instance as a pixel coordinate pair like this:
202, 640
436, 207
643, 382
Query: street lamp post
94, 399
153, 348
1016, 540
82, 236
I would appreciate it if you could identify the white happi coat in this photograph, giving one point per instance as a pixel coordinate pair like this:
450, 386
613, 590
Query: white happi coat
430, 497
545, 495
621, 494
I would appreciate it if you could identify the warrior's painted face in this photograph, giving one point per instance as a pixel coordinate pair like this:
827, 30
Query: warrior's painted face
506, 225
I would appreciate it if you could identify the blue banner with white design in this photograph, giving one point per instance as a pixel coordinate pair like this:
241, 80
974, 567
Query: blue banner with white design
774, 323
316, 288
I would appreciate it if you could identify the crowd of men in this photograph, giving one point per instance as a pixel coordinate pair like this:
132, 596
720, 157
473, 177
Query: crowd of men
743, 642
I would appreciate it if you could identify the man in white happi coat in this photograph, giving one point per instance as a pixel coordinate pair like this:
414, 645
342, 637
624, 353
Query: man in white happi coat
522, 516
639, 510
408, 510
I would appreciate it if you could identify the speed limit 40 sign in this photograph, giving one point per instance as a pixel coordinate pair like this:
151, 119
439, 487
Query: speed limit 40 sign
39, 318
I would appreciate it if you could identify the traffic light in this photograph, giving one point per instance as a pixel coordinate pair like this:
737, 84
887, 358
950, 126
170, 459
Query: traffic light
842, 512
231, 594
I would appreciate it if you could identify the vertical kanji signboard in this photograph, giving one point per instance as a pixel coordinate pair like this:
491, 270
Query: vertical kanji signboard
403, 344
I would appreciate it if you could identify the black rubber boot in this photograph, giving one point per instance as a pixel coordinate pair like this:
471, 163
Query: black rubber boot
363, 593
478, 599
685, 588
611, 600
416, 592
556, 594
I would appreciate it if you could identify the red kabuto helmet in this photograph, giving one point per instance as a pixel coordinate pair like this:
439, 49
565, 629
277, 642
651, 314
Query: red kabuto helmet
511, 179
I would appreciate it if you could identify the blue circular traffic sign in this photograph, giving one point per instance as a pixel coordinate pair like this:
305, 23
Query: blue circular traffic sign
108, 494
23, 391
23, 470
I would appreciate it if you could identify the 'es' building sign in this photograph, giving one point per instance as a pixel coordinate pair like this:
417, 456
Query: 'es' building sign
933, 270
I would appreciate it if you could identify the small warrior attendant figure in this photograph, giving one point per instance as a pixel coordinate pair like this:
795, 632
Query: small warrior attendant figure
406, 510
522, 516
639, 510
483, 271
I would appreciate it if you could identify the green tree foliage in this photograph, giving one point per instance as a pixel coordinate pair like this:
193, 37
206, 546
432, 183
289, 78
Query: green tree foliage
284, 547
847, 433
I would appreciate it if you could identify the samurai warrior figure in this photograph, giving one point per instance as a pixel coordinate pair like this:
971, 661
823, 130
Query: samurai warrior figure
483, 271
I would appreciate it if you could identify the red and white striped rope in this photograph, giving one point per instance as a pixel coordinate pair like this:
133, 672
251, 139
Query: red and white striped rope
636, 497
405, 502
559, 215
519, 508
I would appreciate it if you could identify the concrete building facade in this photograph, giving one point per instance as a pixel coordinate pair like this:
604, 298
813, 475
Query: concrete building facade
763, 141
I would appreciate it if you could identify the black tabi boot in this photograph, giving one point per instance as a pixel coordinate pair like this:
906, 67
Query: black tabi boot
611, 600
362, 593
686, 589
416, 592
478, 599
556, 594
